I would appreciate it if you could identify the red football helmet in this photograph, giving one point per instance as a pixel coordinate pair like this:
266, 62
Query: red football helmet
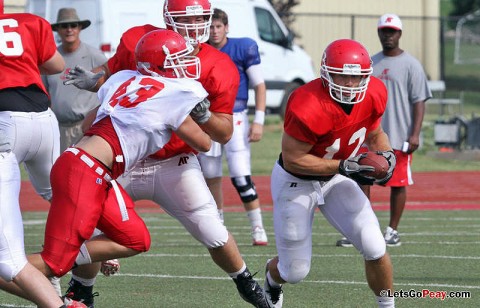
195, 31
166, 53
346, 57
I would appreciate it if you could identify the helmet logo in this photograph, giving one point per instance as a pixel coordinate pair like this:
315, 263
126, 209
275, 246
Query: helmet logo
194, 10
352, 69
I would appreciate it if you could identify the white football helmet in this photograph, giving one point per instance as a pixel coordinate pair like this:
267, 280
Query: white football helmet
346, 57
197, 32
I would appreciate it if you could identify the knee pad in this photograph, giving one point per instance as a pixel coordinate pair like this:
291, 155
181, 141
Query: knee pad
211, 233
245, 188
297, 270
9, 269
373, 243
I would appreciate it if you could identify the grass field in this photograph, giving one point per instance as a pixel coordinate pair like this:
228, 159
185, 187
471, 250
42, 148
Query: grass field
440, 252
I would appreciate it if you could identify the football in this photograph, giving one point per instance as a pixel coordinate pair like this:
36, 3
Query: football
379, 162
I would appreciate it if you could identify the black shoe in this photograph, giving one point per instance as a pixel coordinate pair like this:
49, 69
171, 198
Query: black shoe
344, 243
81, 293
250, 290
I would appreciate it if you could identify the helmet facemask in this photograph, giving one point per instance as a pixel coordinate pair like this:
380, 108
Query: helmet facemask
182, 64
344, 94
193, 32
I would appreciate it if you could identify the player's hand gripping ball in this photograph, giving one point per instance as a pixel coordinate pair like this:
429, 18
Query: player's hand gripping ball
377, 161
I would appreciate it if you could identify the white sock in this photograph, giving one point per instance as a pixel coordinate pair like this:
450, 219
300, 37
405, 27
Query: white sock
84, 281
385, 302
234, 275
272, 282
255, 217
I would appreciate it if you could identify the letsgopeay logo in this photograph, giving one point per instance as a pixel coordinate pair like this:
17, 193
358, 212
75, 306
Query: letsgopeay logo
354, 69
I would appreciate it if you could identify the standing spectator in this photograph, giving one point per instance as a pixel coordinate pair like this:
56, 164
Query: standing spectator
408, 90
326, 121
245, 55
176, 165
28, 135
70, 105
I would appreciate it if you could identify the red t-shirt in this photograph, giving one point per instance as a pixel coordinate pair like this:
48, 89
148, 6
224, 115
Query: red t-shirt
219, 77
27, 43
313, 117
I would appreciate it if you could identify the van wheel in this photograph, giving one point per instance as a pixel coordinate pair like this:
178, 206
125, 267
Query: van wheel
289, 88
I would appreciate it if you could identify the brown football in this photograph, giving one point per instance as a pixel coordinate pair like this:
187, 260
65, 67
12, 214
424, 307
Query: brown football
379, 162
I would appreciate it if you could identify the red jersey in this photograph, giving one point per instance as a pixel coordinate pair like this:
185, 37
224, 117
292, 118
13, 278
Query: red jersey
218, 76
312, 116
27, 42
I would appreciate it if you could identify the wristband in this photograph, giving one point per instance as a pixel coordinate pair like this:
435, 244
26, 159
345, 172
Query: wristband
259, 117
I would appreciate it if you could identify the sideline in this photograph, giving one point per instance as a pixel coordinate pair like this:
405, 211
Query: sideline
431, 191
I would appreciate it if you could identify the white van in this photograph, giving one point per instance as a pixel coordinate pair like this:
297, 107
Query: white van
285, 65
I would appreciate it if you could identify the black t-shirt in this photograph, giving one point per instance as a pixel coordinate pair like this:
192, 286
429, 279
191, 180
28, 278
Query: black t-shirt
24, 99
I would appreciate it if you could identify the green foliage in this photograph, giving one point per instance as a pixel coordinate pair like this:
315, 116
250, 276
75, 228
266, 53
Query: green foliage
463, 7
284, 10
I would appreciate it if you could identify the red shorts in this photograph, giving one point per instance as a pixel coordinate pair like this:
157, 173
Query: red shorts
402, 175
84, 199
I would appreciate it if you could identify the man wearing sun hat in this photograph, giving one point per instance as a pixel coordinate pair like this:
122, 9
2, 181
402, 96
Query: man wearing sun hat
408, 91
70, 105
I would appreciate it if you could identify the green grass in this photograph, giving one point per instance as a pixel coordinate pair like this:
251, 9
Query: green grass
440, 252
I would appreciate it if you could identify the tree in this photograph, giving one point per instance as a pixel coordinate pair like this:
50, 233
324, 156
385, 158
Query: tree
463, 7
284, 10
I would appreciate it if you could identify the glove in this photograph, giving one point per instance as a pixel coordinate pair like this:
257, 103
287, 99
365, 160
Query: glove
82, 78
392, 162
110, 267
200, 112
352, 169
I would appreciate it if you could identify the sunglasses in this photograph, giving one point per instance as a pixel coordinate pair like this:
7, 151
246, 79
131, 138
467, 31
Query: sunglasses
72, 25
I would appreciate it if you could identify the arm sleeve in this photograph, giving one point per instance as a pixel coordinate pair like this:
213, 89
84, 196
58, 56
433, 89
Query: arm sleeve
255, 75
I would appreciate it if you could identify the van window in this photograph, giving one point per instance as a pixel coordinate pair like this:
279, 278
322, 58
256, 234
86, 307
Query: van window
268, 28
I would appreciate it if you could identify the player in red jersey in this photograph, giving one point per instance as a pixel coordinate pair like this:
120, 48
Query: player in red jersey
326, 122
173, 177
28, 134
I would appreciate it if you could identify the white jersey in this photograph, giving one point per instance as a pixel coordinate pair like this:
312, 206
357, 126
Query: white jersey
145, 110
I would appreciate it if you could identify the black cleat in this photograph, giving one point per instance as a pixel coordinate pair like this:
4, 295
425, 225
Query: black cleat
250, 290
80, 293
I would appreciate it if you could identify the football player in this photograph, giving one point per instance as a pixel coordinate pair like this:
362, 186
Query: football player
28, 134
326, 122
244, 53
176, 165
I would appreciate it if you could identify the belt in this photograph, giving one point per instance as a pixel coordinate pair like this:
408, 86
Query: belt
102, 171
322, 178
92, 163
